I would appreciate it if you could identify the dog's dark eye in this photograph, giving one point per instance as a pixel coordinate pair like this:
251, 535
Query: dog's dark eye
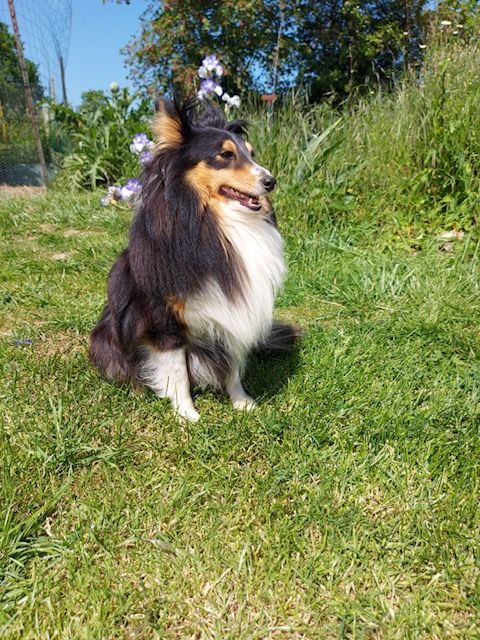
227, 155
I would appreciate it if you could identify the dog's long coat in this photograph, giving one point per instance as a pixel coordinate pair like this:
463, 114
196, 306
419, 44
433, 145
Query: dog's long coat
193, 293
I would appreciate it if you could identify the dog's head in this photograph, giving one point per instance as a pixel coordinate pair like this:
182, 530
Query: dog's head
211, 156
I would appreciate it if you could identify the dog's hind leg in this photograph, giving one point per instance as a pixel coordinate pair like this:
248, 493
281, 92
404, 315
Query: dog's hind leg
166, 373
106, 352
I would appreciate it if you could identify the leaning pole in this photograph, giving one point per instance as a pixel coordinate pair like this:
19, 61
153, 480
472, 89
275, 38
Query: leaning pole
28, 93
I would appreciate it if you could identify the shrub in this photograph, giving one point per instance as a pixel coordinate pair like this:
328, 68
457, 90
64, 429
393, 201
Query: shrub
100, 132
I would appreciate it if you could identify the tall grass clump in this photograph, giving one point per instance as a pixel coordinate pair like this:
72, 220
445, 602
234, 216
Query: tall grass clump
408, 157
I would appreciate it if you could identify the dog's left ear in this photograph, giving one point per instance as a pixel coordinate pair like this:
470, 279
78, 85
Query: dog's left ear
171, 123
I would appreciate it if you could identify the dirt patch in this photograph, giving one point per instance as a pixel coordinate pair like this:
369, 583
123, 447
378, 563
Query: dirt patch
6, 191
46, 227
55, 229
65, 344
61, 255
60, 344
73, 233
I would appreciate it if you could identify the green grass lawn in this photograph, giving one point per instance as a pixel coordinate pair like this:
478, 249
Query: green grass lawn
345, 506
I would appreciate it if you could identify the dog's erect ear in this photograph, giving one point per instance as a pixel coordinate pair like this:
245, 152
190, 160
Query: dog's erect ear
238, 126
171, 123
212, 116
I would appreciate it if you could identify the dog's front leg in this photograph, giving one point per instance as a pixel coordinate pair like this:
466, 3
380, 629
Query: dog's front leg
240, 399
165, 372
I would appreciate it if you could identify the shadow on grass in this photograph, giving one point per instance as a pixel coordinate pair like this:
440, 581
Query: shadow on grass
268, 372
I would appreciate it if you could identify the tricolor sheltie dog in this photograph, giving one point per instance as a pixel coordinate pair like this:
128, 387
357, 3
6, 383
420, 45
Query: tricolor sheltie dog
193, 293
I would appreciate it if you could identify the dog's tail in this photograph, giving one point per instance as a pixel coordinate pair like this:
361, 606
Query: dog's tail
106, 352
282, 337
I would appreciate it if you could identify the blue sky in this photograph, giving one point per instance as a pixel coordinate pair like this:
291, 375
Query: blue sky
99, 31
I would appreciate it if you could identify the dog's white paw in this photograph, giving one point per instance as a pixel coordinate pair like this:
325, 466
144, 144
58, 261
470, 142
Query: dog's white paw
189, 414
244, 404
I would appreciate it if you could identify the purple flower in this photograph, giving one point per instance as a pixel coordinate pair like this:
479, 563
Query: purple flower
210, 62
131, 188
133, 185
140, 142
210, 66
208, 86
140, 138
145, 156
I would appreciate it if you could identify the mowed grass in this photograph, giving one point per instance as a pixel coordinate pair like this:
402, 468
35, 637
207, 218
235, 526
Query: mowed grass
345, 506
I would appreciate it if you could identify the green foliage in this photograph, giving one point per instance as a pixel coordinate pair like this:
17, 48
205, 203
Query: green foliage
327, 47
344, 45
12, 98
100, 133
464, 16
175, 36
404, 158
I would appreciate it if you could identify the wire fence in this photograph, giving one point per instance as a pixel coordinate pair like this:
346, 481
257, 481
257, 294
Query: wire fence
44, 29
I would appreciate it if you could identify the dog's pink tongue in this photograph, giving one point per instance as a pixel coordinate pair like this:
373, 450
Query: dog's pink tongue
247, 201
243, 198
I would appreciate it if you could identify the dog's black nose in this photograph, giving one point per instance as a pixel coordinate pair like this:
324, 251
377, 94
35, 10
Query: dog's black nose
268, 182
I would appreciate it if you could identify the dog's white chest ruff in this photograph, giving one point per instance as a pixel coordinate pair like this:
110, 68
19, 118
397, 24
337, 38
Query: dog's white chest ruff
242, 324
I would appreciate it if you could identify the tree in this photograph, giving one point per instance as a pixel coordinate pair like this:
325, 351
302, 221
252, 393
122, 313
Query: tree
328, 47
12, 97
464, 16
347, 43
175, 35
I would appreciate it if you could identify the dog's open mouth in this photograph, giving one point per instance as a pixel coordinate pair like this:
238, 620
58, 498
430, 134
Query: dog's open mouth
251, 202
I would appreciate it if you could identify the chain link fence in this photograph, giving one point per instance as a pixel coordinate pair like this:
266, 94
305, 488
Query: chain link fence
28, 142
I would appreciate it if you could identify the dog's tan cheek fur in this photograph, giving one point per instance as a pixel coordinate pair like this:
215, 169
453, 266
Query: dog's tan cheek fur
207, 181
